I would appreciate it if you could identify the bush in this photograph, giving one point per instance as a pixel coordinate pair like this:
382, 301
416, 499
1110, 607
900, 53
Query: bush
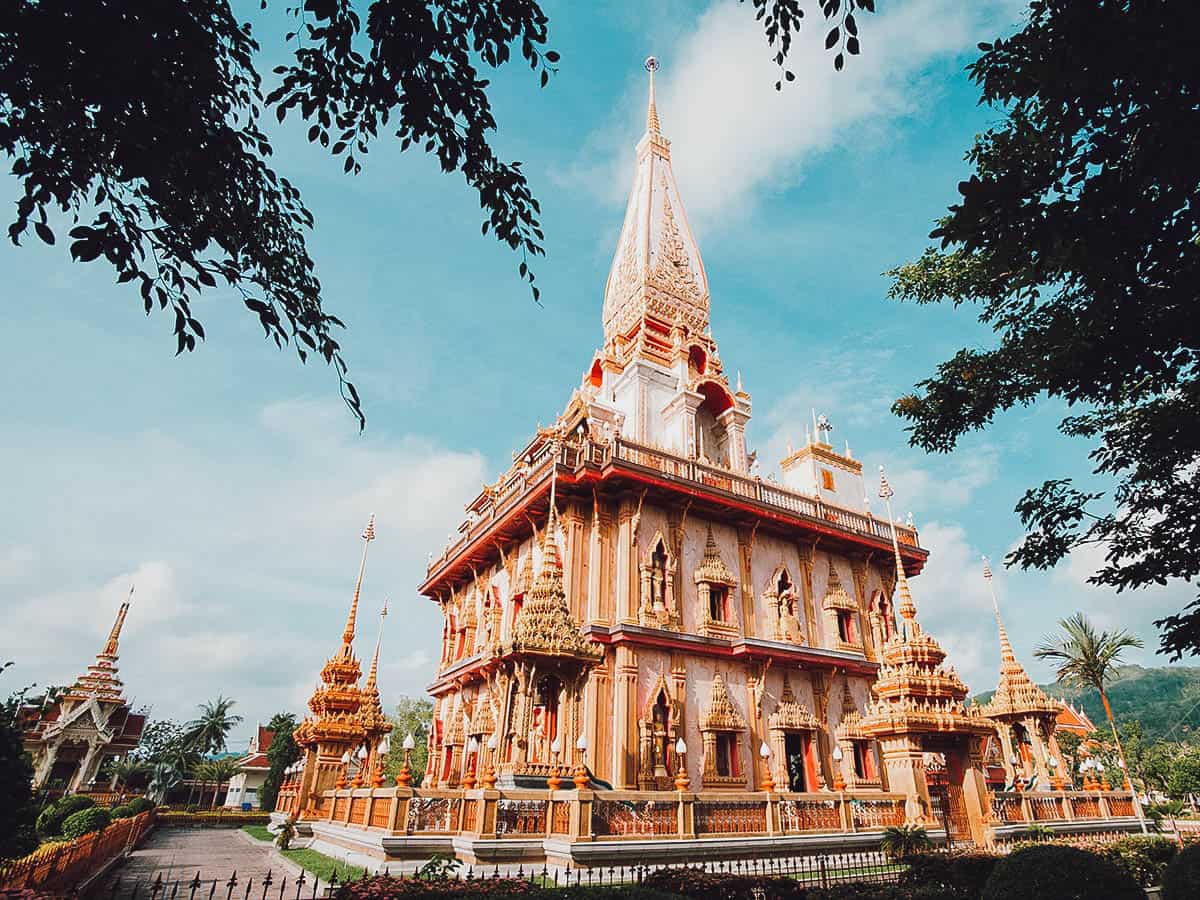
1181, 881
120, 812
955, 874
1145, 859
382, 887
695, 882
140, 805
1064, 873
77, 824
50, 820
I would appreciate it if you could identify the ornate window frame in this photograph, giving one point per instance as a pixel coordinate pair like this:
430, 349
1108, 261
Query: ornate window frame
839, 605
713, 575
791, 716
651, 612
785, 607
722, 718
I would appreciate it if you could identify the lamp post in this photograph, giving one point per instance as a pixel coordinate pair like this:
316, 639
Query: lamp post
404, 776
768, 783
381, 750
681, 777
1056, 779
1018, 785
1104, 785
472, 758
489, 772
839, 780
341, 782
357, 781
582, 779
554, 782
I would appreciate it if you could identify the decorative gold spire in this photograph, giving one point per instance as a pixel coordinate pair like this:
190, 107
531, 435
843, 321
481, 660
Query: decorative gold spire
712, 568
652, 126
348, 635
907, 608
114, 636
370, 713
1016, 695
101, 680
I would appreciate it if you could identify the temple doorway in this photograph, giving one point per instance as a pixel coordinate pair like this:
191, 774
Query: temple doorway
795, 752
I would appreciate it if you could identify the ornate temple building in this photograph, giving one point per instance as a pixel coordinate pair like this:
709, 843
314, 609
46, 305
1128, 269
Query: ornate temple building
72, 737
645, 640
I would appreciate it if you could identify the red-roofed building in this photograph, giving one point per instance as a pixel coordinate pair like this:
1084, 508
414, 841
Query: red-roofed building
1075, 720
246, 785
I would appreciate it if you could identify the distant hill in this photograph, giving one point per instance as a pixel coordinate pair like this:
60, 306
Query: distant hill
1157, 697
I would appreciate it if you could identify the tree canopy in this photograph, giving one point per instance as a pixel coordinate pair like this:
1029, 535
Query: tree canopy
18, 835
142, 123
281, 754
207, 733
1076, 241
414, 715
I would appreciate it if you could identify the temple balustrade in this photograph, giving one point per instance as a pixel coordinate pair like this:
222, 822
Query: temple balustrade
573, 815
1017, 807
571, 457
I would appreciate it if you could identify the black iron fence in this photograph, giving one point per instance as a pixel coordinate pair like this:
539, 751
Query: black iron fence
818, 871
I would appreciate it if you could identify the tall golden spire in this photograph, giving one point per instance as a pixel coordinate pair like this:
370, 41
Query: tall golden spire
374, 672
114, 636
1007, 656
907, 608
652, 126
348, 635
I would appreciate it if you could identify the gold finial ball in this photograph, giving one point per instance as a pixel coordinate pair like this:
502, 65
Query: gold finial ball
651, 64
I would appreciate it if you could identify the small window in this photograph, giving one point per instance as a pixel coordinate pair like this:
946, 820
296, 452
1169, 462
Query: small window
846, 631
727, 755
864, 763
718, 603
827, 479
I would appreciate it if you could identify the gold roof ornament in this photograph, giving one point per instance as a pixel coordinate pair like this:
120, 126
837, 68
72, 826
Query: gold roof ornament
712, 569
790, 714
914, 690
337, 699
370, 713
1016, 695
656, 271
101, 681
835, 595
545, 625
722, 715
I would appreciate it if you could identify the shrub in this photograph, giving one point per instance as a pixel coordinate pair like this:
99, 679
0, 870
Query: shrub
1182, 877
1143, 858
1064, 873
50, 820
140, 805
695, 882
120, 812
383, 887
77, 824
956, 874
902, 841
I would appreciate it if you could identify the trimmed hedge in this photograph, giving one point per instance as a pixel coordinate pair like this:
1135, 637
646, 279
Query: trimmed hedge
959, 875
1143, 858
1064, 873
1181, 881
50, 820
121, 812
140, 805
696, 883
77, 824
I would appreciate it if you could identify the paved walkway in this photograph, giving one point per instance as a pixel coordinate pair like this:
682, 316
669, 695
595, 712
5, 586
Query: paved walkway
177, 854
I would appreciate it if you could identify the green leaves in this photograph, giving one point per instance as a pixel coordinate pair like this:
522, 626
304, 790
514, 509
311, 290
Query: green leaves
1097, 115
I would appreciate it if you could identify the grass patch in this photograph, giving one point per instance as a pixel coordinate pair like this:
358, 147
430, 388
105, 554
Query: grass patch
324, 867
258, 832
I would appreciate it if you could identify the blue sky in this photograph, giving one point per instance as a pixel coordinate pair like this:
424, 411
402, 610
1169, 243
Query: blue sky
231, 485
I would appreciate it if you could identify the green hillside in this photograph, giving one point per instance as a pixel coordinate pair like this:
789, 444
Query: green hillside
1158, 697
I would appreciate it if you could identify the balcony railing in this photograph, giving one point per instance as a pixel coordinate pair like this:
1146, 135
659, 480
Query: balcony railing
572, 456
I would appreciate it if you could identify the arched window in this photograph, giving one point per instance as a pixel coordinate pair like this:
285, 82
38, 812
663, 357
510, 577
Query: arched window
658, 575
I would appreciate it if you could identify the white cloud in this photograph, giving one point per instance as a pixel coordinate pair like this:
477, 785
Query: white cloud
243, 562
738, 138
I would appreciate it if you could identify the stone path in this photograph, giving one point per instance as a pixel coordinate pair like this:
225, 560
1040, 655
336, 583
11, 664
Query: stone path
177, 854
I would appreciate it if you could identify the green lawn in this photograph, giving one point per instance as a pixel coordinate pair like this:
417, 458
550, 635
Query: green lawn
258, 832
323, 866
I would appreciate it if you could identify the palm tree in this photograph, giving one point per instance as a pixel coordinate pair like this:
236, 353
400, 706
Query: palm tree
1088, 658
217, 771
163, 777
207, 732
125, 769
902, 841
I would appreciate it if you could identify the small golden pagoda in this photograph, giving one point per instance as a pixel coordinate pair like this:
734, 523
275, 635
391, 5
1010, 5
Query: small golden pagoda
335, 727
375, 724
1025, 717
919, 708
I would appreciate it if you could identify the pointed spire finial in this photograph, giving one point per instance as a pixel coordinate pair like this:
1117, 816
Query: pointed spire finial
907, 608
368, 535
371, 676
1007, 654
652, 125
114, 636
